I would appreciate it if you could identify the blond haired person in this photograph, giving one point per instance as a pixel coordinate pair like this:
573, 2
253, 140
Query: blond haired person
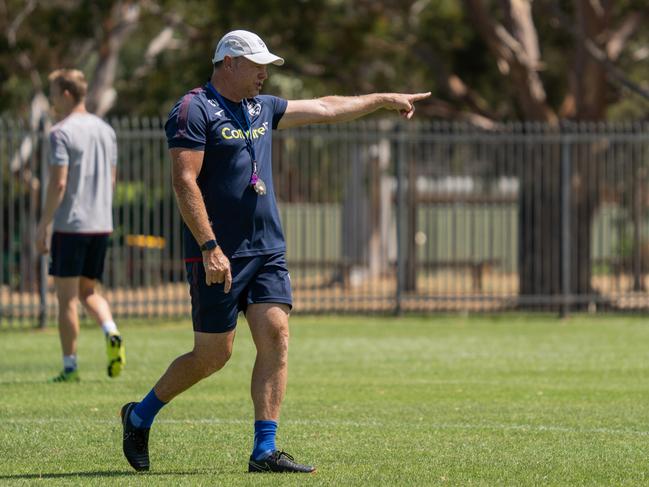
78, 212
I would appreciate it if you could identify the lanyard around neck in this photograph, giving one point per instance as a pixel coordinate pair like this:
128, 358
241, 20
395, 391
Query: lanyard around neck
247, 134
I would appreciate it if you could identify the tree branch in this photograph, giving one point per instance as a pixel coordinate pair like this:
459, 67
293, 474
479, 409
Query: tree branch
164, 40
434, 107
18, 20
618, 39
38, 109
517, 57
452, 84
614, 74
39, 105
117, 27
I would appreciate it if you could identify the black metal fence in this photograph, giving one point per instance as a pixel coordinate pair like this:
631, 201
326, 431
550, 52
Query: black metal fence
379, 216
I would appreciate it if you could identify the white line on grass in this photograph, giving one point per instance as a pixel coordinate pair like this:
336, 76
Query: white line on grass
359, 424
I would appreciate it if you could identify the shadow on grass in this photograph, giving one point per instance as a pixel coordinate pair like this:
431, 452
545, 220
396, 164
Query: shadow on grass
20, 382
45, 382
100, 473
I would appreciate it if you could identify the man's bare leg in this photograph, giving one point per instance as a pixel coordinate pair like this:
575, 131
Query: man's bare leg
67, 296
211, 352
93, 302
269, 327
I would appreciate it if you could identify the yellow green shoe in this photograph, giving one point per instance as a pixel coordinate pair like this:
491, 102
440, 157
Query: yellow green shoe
72, 376
116, 354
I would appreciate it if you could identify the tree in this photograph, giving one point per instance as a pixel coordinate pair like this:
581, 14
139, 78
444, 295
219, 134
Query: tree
598, 44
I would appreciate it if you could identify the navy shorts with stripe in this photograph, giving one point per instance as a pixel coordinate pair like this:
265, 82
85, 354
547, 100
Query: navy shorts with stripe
78, 254
257, 279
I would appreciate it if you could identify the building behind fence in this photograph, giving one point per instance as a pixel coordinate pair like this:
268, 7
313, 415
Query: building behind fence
379, 216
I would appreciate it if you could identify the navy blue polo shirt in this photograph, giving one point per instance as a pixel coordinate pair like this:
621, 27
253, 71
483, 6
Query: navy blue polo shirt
245, 223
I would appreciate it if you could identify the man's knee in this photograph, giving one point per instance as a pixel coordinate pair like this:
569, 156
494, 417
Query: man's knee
68, 303
279, 335
269, 325
208, 363
67, 300
85, 294
86, 288
211, 351
276, 343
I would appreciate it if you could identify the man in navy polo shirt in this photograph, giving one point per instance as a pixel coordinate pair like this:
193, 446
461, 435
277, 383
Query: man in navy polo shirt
220, 139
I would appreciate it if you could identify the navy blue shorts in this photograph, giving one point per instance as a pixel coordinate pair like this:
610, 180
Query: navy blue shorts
77, 254
258, 279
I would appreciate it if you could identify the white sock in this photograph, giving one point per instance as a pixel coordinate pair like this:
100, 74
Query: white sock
70, 362
110, 328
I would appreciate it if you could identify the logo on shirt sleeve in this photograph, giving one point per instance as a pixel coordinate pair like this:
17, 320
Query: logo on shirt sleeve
254, 109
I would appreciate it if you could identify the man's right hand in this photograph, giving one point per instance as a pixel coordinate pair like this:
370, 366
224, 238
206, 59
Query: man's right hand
217, 268
42, 236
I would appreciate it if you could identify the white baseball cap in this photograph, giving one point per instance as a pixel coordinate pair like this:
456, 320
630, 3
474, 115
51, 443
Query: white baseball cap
246, 44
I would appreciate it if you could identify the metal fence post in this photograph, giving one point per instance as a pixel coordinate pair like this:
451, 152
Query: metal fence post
402, 217
44, 152
566, 228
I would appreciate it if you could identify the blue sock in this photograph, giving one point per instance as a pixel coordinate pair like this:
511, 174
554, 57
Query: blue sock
144, 412
264, 439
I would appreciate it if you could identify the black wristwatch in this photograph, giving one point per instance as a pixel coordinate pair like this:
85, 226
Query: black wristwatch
209, 245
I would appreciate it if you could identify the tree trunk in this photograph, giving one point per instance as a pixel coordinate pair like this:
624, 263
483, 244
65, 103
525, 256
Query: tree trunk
539, 218
412, 201
365, 241
590, 93
584, 194
517, 52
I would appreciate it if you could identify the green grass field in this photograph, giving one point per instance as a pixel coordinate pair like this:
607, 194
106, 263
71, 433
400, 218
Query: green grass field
507, 400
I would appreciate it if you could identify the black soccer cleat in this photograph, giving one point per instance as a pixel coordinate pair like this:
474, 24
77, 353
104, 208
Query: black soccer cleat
135, 442
278, 461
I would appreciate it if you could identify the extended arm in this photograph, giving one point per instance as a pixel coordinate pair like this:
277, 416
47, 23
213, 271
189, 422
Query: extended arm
186, 165
54, 195
332, 109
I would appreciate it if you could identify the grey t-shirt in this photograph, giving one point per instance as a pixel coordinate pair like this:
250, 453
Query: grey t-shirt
87, 145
